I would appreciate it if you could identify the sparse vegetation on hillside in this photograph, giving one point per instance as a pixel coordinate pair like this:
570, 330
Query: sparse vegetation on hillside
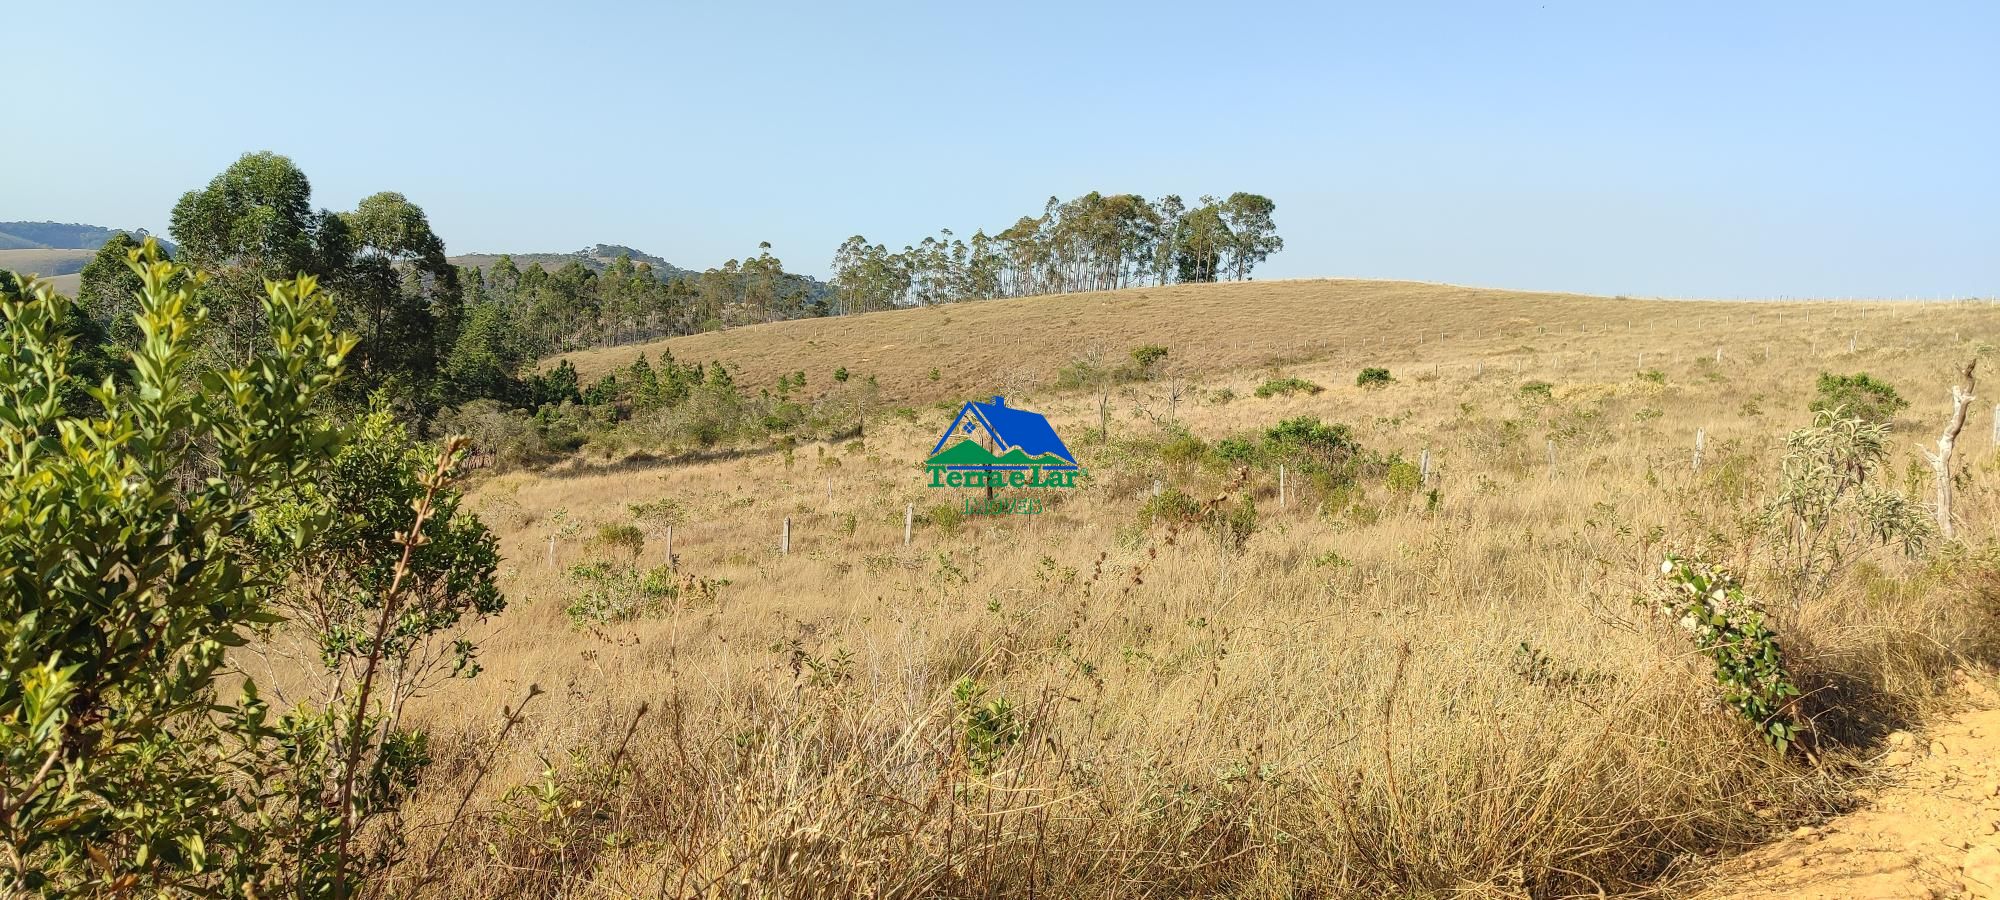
1338, 642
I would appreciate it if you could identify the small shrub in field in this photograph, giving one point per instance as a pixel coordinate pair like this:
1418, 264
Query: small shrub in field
1235, 450
1307, 439
1653, 375
1236, 523
1146, 357
946, 517
1727, 626
1833, 506
1285, 387
1221, 396
664, 511
935, 374
1404, 477
840, 374
1182, 449
608, 593
1077, 374
1538, 391
1859, 395
1373, 377
1230, 523
988, 727
1332, 559
619, 536
1169, 507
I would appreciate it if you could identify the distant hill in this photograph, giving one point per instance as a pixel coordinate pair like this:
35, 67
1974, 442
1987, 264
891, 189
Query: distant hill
600, 256
595, 258
62, 236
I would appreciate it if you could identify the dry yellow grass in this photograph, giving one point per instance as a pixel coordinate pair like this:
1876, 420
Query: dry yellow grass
978, 347
1343, 709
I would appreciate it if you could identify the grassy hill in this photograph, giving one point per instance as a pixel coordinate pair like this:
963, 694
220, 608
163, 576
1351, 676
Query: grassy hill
45, 262
982, 347
60, 236
1388, 685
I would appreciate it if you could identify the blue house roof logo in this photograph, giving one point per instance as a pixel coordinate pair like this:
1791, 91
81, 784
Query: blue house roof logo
1006, 445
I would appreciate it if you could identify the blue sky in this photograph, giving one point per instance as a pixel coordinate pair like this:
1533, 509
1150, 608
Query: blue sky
1682, 149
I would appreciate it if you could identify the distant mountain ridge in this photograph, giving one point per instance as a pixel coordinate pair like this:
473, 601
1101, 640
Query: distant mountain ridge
596, 258
599, 257
63, 236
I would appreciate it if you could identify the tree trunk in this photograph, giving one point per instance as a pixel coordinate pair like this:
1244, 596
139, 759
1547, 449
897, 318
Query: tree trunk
1961, 403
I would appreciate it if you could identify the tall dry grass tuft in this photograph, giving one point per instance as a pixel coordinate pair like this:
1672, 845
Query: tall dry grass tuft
1392, 688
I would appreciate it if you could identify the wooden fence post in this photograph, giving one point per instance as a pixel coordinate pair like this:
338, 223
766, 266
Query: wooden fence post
909, 518
1281, 486
552, 551
670, 546
1424, 469
1552, 459
785, 542
1700, 440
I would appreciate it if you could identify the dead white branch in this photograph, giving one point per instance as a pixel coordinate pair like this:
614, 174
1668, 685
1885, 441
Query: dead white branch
1961, 403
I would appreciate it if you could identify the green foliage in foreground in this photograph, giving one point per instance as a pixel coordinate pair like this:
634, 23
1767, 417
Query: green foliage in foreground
122, 535
1728, 627
1373, 376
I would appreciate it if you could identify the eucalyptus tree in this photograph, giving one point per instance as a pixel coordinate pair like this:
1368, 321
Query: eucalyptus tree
1253, 235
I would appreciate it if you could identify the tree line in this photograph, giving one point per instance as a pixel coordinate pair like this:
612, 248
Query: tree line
435, 335
1091, 243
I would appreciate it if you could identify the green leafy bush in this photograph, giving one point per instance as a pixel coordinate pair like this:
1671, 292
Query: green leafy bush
1833, 505
385, 613
608, 593
1373, 377
1537, 391
1305, 439
1235, 450
1859, 396
1285, 387
988, 727
123, 536
1728, 627
1146, 357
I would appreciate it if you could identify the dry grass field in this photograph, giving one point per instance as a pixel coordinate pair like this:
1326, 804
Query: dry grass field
1250, 326
1386, 691
45, 262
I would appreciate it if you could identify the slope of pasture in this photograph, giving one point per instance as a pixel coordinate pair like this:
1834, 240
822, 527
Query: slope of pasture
1015, 344
46, 263
1386, 692
58, 267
